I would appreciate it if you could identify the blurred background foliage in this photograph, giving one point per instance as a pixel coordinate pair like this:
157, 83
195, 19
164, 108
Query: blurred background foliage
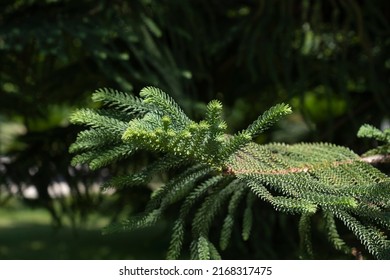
329, 59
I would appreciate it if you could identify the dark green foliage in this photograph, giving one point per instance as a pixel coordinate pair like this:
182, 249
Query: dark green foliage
217, 171
305, 235
329, 59
247, 220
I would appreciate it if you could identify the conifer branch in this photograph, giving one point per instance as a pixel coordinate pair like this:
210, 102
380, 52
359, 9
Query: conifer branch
219, 170
376, 159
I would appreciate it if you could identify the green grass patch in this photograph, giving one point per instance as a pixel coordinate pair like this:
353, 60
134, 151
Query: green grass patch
28, 234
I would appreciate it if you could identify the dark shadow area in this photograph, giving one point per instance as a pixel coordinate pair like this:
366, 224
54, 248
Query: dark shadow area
39, 242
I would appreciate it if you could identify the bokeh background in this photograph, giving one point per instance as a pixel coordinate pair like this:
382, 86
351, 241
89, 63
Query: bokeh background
329, 59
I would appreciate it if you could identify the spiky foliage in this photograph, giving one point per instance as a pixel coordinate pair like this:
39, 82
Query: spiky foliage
369, 131
224, 172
